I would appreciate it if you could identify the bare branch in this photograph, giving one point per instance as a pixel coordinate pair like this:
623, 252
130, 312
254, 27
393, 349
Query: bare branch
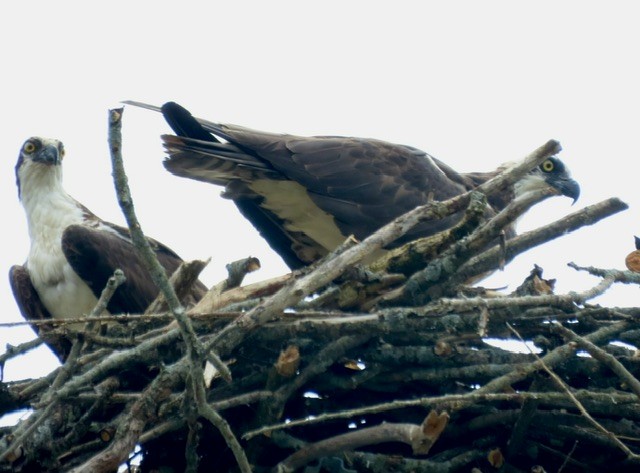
419, 437
325, 361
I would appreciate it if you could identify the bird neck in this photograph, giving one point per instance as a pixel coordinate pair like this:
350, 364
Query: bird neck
48, 207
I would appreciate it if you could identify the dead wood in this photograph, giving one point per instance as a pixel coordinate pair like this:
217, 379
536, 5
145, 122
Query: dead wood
389, 369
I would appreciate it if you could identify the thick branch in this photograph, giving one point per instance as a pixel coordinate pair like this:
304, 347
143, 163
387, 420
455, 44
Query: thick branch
521, 243
419, 437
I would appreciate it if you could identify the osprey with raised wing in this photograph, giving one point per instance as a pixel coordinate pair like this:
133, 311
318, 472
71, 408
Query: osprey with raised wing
306, 195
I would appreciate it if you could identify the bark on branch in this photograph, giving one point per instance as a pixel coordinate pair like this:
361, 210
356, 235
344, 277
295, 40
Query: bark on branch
339, 367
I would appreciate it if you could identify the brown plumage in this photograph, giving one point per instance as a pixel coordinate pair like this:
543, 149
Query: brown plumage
306, 195
73, 253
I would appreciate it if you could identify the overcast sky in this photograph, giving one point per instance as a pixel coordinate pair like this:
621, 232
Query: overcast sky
472, 83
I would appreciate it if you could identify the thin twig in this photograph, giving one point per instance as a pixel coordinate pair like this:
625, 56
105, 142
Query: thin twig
563, 386
195, 353
50, 398
16, 350
602, 356
461, 401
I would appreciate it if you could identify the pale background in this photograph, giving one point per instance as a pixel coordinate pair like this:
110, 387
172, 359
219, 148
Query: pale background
473, 83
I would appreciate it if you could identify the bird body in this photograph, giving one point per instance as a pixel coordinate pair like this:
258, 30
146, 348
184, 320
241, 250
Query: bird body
306, 195
73, 253
61, 290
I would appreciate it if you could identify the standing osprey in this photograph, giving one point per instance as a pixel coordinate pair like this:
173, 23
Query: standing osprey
306, 195
73, 252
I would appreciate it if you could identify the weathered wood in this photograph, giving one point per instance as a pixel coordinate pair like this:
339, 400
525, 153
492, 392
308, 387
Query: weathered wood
345, 378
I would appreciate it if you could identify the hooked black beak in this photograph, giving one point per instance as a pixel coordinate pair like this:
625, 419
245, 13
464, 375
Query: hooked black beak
568, 187
47, 155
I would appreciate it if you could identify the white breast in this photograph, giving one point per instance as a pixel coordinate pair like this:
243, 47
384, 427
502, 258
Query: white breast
61, 290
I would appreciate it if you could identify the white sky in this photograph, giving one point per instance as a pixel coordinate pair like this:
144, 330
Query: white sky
473, 83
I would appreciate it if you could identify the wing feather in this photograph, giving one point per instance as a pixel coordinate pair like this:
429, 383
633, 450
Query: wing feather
32, 308
360, 183
94, 254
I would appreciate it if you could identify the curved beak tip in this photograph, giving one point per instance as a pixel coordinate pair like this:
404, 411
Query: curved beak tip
571, 189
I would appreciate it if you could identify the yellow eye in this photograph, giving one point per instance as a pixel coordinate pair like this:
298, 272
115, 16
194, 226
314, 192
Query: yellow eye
61, 153
29, 147
547, 166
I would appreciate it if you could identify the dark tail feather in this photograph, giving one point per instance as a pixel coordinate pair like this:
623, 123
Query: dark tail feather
184, 124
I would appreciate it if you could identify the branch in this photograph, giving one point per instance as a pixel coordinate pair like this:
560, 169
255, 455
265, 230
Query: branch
182, 281
12, 351
551, 359
599, 354
457, 401
131, 427
337, 263
521, 243
153, 266
419, 437
214, 299
430, 282
563, 386
625, 277
195, 353
51, 397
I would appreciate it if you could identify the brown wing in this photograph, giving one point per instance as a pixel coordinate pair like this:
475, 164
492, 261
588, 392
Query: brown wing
305, 194
31, 308
365, 183
94, 254
197, 160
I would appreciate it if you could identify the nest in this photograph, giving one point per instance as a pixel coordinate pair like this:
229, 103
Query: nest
341, 367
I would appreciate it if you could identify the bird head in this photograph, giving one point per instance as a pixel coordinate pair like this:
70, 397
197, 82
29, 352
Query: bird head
38, 157
551, 173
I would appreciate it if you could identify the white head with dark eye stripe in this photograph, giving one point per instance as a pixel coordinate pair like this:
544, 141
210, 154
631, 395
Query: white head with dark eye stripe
551, 173
40, 160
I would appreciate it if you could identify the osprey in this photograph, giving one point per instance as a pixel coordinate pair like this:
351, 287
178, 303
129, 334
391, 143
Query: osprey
306, 195
73, 252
